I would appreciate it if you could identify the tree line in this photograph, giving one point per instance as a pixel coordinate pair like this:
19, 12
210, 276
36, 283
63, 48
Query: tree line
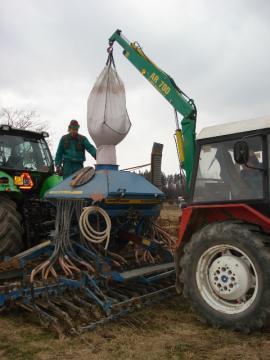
170, 185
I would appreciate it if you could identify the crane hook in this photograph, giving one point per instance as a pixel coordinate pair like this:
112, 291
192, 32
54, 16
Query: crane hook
110, 59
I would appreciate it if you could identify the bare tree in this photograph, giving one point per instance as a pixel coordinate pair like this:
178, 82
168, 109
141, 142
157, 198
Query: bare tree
22, 119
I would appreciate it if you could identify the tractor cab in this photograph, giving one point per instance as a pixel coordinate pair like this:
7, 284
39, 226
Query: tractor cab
231, 164
25, 156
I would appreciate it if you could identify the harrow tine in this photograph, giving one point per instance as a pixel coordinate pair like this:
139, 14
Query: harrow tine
103, 304
103, 321
139, 321
139, 298
82, 302
27, 307
117, 294
126, 292
129, 323
62, 315
46, 320
94, 309
73, 310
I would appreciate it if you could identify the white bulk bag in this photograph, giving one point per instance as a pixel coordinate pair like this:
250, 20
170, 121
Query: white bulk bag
107, 118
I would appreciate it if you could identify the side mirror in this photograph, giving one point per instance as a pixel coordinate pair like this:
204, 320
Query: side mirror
241, 152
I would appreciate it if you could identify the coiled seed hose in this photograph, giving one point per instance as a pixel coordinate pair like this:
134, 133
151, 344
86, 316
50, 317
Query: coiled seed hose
90, 234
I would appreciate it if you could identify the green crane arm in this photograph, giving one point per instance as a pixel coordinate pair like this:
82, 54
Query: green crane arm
185, 137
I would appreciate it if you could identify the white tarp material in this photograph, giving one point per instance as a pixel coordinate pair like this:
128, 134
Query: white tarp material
107, 118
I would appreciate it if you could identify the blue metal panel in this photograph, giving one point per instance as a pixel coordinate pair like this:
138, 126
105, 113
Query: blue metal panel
132, 183
98, 184
110, 183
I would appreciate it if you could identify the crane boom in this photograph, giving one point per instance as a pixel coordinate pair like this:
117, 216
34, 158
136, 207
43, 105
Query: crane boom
182, 104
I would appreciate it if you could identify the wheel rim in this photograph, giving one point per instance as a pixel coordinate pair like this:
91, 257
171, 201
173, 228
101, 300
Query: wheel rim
227, 279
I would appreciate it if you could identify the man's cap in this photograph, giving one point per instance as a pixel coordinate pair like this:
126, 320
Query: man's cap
74, 124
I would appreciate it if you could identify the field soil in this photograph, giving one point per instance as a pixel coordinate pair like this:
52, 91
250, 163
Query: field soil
164, 331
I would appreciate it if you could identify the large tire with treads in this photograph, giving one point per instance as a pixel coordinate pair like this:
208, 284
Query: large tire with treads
11, 230
225, 272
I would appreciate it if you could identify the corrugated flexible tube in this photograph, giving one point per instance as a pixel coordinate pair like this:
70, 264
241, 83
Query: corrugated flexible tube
90, 234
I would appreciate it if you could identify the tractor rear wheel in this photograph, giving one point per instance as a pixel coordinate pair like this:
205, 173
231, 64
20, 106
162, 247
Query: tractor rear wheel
225, 271
11, 230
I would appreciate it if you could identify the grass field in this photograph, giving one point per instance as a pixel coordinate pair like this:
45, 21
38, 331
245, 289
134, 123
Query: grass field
165, 331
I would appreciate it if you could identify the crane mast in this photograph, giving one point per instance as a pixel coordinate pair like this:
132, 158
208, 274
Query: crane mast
182, 104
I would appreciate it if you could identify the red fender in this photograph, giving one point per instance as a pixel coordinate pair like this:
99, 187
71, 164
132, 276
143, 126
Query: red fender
196, 216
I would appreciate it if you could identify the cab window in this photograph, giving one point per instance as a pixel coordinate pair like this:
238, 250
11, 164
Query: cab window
219, 178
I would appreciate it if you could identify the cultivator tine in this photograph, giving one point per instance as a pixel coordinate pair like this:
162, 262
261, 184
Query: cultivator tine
74, 311
105, 320
105, 305
130, 323
137, 320
93, 310
127, 292
143, 297
28, 307
56, 310
45, 319
117, 295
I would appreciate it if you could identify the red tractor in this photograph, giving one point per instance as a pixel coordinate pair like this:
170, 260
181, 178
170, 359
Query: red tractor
223, 253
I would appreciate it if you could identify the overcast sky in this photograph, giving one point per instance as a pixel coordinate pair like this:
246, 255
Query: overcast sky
218, 52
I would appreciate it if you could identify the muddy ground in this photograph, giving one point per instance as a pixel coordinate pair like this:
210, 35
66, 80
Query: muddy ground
166, 331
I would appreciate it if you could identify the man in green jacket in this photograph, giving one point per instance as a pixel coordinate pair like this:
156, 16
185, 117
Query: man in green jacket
71, 151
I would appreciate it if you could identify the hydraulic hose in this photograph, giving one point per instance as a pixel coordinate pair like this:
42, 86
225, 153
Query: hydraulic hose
90, 234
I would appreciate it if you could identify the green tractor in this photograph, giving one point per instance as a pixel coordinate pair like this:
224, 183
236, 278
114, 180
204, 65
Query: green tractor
26, 173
